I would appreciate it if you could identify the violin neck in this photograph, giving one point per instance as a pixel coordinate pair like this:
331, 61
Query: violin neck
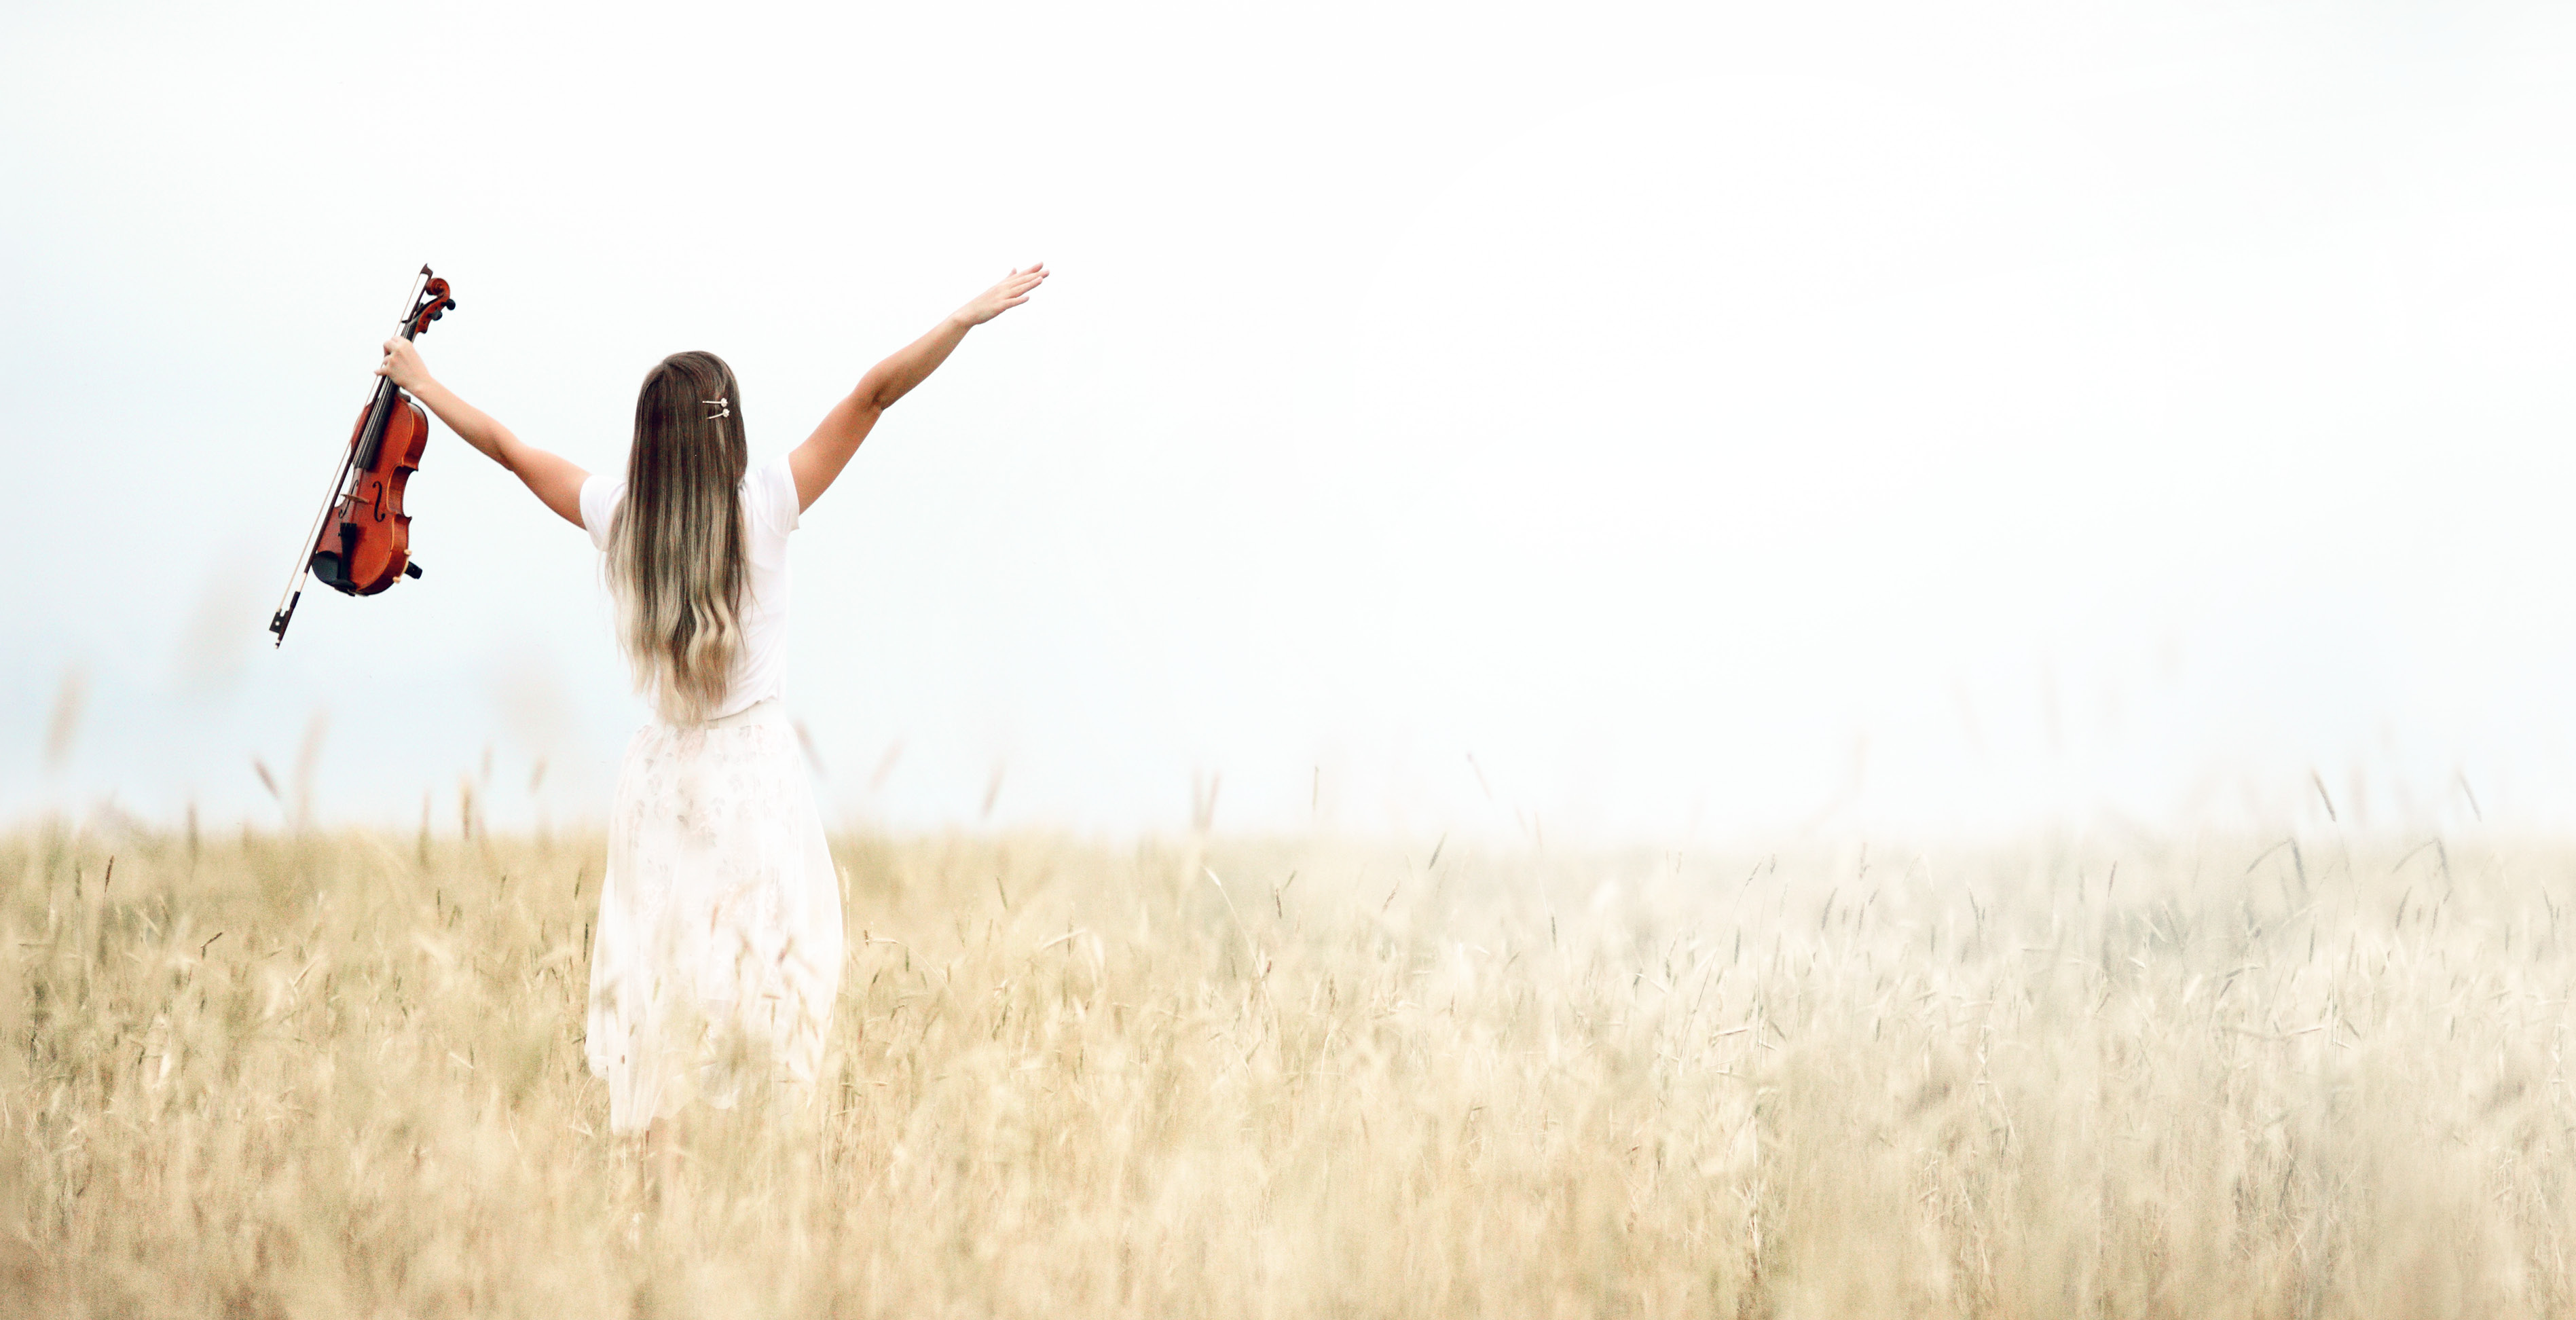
379, 415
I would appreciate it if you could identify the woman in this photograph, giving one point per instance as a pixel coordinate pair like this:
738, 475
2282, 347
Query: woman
719, 948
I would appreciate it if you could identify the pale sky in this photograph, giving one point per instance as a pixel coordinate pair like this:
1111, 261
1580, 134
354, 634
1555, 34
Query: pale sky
1665, 422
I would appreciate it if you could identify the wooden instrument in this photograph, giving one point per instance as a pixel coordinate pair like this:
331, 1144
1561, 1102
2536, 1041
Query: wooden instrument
362, 538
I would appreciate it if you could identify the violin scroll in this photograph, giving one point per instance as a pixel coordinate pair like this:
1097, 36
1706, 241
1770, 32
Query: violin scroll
432, 304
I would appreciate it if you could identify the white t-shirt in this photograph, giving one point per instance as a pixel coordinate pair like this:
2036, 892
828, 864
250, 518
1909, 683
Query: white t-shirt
768, 515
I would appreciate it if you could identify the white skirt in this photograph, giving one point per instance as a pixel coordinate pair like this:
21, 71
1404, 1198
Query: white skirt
718, 954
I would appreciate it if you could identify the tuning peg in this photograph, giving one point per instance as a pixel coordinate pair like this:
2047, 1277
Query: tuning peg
451, 304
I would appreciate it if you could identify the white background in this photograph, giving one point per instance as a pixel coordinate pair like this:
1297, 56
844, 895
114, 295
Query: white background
1658, 422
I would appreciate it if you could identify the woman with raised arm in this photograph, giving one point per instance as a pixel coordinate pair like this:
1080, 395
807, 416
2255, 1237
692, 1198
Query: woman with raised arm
719, 947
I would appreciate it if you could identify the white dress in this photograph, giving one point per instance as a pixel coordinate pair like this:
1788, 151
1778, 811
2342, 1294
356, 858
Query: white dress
718, 954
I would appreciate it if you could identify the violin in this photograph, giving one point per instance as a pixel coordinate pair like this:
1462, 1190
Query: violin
362, 538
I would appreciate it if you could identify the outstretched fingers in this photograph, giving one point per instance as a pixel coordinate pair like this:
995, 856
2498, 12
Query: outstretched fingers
1013, 290
1025, 282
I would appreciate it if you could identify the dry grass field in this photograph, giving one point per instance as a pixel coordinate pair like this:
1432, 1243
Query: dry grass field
341, 1075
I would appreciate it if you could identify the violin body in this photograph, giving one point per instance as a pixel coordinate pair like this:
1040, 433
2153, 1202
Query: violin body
366, 543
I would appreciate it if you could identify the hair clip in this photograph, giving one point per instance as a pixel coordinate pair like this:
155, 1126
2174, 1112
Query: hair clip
724, 403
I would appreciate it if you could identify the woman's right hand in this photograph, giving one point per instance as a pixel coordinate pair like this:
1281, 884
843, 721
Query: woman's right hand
1011, 292
817, 463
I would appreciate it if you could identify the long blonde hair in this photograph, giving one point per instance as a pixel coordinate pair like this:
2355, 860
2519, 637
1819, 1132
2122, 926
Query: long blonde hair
676, 547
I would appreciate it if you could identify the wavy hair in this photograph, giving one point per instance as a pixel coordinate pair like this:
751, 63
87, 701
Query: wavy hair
676, 546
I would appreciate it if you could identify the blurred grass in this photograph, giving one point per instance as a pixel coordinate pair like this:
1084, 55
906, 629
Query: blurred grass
341, 1075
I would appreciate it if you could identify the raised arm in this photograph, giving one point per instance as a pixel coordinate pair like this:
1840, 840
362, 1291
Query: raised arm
553, 477
818, 462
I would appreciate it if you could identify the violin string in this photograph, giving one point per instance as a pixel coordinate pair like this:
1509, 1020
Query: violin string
363, 450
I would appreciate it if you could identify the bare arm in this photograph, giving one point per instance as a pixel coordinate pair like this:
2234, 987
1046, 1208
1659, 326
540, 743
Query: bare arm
554, 479
818, 462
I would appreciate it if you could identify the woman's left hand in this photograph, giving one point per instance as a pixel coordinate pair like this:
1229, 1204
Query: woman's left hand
1014, 289
403, 366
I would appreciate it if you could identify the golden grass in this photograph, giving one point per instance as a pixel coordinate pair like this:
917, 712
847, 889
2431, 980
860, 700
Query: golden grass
342, 1076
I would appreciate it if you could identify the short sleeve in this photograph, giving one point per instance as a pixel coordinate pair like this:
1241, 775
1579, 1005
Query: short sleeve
599, 495
773, 493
